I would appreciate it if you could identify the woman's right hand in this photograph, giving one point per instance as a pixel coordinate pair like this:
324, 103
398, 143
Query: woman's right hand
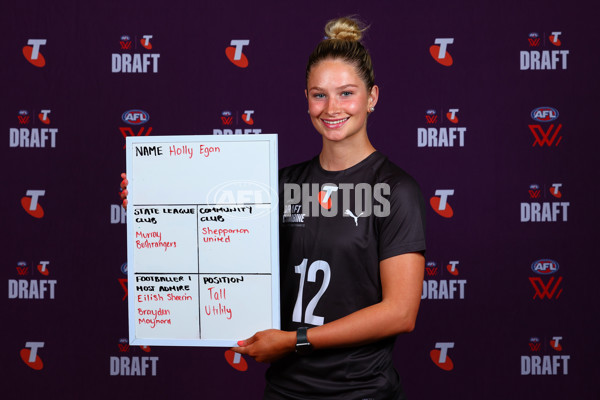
124, 191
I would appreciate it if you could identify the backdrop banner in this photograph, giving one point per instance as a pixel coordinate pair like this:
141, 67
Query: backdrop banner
491, 106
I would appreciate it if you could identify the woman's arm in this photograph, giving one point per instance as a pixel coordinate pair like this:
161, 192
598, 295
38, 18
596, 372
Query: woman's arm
401, 283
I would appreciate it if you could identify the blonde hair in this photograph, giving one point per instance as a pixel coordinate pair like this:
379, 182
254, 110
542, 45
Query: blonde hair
342, 41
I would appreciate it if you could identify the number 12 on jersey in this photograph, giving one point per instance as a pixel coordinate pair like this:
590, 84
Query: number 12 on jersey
309, 316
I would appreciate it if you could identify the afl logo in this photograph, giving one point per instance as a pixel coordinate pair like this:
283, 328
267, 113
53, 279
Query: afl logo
544, 114
544, 266
430, 112
533, 186
125, 38
135, 117
226, 114
534, 35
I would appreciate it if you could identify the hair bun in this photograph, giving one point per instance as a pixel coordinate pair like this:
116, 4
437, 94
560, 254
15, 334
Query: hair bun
344, 29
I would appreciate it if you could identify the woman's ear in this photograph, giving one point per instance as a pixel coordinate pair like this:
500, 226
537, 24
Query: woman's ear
373, 96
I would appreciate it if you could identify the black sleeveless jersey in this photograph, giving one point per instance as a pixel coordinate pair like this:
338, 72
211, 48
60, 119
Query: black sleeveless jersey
335, 228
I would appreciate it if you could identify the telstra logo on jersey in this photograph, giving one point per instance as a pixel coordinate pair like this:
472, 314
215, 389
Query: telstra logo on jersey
545, 288
451, 136
545, 136
135, 62
544, 59
135, 117
545, 211
228, 119
439, 355
235, 53
331, 200
30, 357
38, 289
30, 203
23, 136
439, 51
32, 52
440, 204
442, 289
550, 363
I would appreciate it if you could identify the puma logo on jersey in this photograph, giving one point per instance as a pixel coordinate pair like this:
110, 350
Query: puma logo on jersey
348, 212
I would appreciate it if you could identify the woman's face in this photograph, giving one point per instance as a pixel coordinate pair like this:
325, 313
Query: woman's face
338, 102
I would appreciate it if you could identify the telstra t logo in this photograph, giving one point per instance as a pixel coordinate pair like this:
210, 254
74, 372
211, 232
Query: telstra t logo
145, 41
440, 357
236, 361
555, 190
440, 204
31, 205
554, 38
32, 52
30, 357
234, 53
440, 53
247, 117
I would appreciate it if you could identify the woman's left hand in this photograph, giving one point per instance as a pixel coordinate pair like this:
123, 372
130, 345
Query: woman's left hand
267, 346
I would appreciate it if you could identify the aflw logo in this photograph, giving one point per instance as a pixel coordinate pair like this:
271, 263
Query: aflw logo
135, 117
546, 288
549, 289
234, 53
32, 52
545, 136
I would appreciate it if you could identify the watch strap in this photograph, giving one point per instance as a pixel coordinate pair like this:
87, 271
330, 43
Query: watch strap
303, 346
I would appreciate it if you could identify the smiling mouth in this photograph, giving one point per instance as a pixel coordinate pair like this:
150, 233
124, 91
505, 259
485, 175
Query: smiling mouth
335, 123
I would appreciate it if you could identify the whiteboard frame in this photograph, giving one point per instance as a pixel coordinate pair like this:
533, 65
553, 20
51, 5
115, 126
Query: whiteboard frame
274, 239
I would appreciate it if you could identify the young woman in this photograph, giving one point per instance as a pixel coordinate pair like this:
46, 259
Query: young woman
351, 267
352, 259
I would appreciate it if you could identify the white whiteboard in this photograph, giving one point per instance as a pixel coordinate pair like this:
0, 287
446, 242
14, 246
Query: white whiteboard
202, 239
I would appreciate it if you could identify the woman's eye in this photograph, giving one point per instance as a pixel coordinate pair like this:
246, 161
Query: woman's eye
346, 93
318, 95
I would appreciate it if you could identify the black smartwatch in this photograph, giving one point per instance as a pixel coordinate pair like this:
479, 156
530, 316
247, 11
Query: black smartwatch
303, 346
